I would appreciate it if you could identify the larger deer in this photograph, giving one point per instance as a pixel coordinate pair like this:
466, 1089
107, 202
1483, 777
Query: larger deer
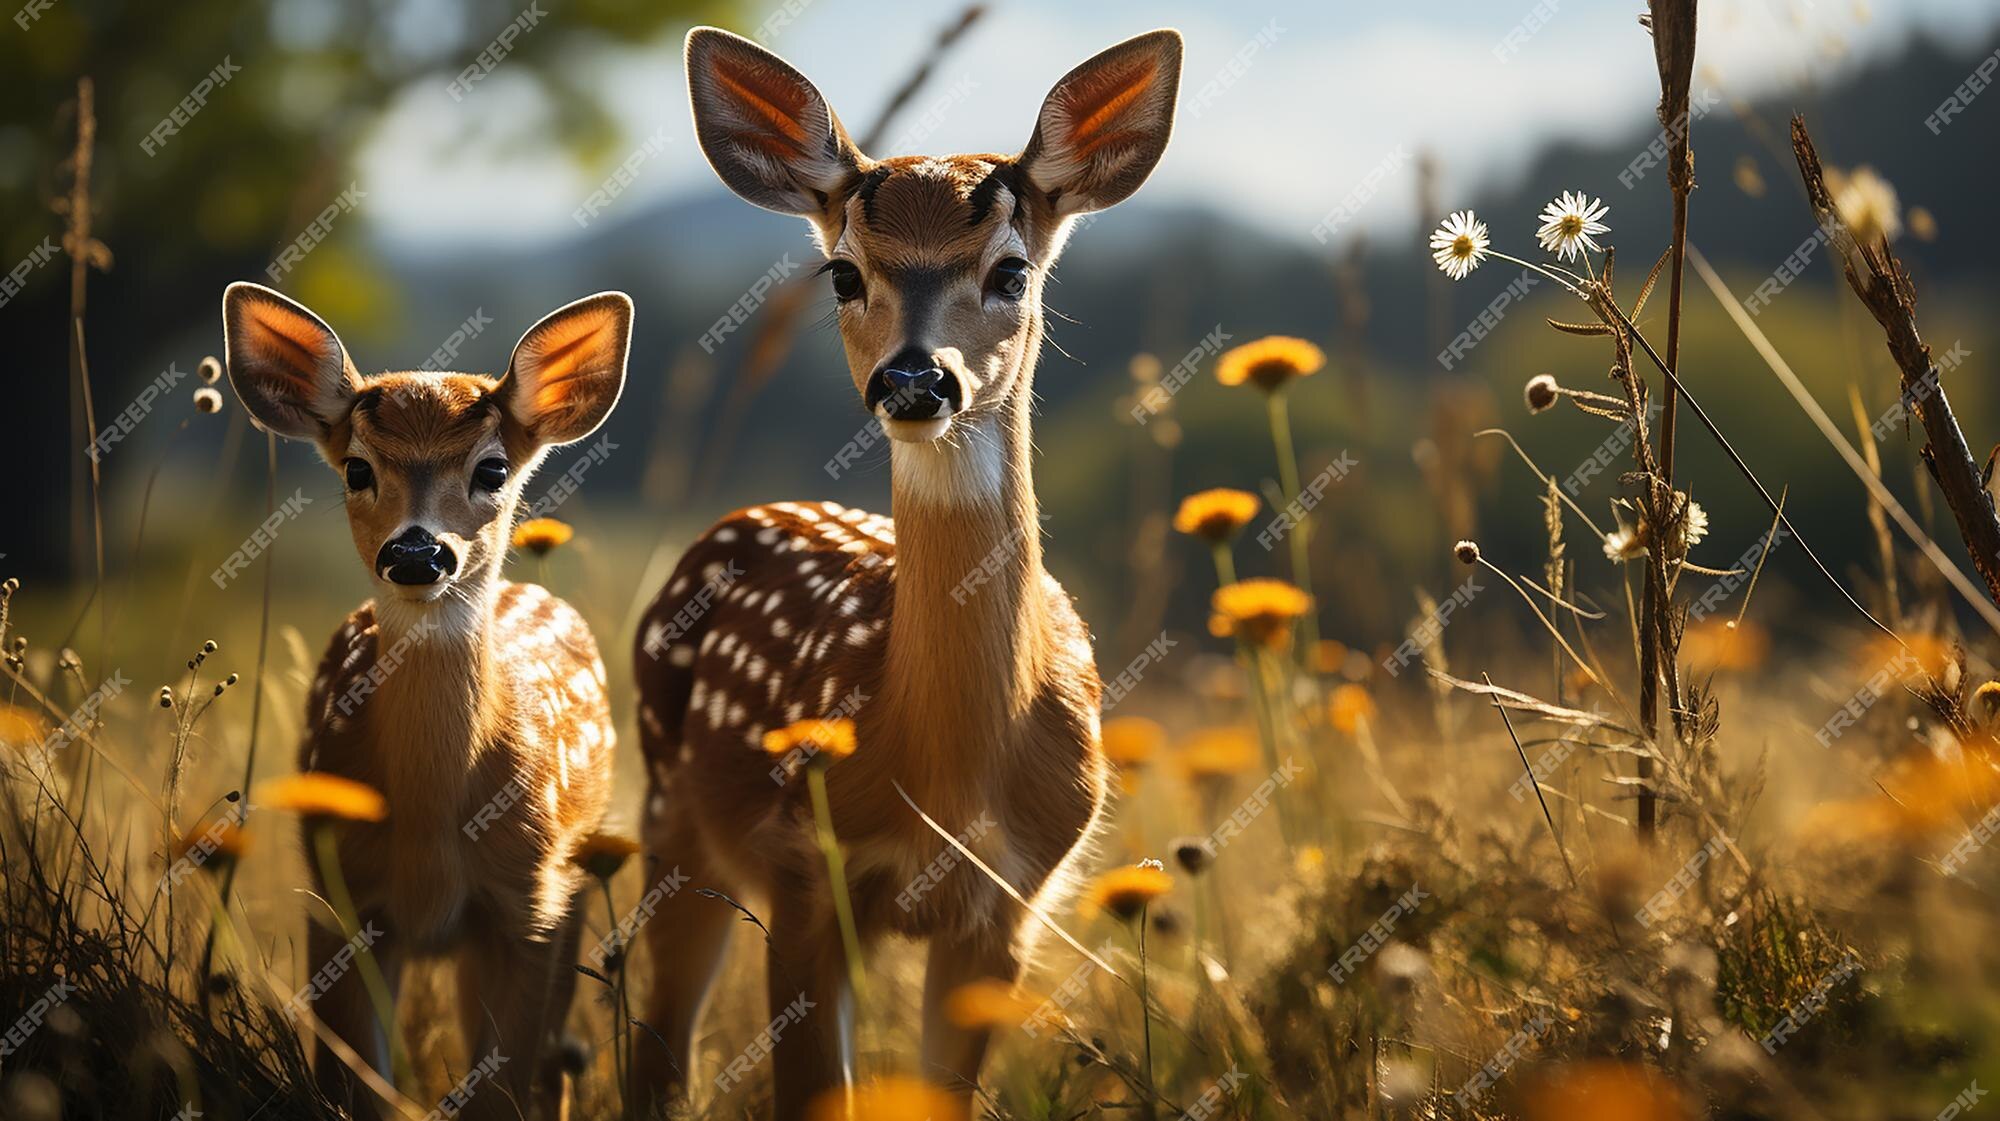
966, 670
476, 706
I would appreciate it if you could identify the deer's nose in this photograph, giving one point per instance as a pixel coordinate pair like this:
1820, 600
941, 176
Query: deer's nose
414, 557
914, 385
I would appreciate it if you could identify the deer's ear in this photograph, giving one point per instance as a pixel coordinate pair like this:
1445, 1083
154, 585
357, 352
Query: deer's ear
1103, 126
568, 370
764, 128
286, 365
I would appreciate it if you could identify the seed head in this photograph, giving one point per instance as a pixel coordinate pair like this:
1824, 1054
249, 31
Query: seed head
207, 399
1542, 392
211, 370
1467, 552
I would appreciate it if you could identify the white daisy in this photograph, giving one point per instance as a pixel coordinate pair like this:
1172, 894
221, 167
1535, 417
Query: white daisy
1570, 222
1459, 244
1867, 203
1694, 525
1623, 544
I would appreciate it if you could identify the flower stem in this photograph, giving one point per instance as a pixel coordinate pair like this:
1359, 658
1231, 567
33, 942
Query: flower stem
620, 1044
836, 869
328, 850
1146, 1013
1301, 535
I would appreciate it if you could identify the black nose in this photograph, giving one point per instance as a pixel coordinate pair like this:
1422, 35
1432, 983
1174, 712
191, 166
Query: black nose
913, 385
415, 558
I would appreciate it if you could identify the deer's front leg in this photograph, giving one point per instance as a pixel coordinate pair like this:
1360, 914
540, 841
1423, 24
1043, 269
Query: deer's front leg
509, 989
811, 1005
953, 1055
337, 993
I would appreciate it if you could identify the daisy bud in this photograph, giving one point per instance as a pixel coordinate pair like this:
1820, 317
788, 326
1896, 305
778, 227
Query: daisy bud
211, 370
207, 400
1467, 552
1541, 392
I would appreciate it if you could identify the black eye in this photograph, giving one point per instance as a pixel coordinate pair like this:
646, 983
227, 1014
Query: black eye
1010, 278
846, 280
491, 474
360, 476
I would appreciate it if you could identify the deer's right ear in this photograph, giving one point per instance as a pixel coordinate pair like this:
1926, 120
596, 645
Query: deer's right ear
764, 128
286, 365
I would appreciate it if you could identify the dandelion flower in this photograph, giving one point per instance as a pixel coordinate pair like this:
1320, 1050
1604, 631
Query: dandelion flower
1459, 245
1867, 203
602, 854
1571, 223
832, 738
1130, 742
1217, 753
1215, 515
988, 1003
1124, 892
1269, 362
542, 536
1260, 610
319, 794
1349, 707
890, 1099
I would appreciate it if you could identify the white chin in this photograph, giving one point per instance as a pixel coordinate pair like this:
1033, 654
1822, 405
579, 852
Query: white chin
417, 593
916, 431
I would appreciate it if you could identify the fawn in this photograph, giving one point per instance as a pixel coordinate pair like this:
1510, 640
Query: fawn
967, 673
453, 691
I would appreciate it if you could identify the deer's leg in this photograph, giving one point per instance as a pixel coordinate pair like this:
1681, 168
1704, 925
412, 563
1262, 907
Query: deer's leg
811, 1005
685, 941
953, 1055
562, 993
506, 987
337, 992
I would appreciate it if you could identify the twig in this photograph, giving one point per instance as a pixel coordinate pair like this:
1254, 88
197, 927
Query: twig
1537, 783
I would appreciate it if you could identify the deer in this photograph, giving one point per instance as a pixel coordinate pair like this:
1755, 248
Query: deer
476, 706
968, 676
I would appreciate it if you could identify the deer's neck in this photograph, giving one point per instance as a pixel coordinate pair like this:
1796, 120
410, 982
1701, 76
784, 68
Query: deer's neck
437, 703
966, 635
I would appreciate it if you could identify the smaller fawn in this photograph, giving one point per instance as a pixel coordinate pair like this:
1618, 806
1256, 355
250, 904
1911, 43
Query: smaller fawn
476, 706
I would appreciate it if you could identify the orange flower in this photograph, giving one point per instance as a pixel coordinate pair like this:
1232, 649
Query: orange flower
1603, 1089
890, 1099
1215, 515
1261, 611
1724, 645
542, 536
831, 738
1349, 706
20, 726
1330, 656
218, 843
988, 1003
1217, 753
1130, 742
602, 854
1924, 796
1124, 892
319, 794
1269, 362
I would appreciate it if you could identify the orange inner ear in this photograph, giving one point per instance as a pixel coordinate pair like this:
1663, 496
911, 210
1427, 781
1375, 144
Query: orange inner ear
577, 347
778, 102
289, 346
1105, 103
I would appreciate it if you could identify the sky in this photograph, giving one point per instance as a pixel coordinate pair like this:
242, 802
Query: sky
1286, 109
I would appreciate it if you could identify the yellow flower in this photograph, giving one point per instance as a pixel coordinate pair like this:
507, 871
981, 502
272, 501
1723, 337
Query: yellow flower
1217, 753
988, 1003
831, 738
1330, 656
1269, 362
1126, 891
890, 1099
1216, 515
602, 854
541, 536
318, 794
1349, 706
1130, 742
1260, 610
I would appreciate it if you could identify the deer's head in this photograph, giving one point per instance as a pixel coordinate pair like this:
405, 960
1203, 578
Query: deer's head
937, 263
432, 463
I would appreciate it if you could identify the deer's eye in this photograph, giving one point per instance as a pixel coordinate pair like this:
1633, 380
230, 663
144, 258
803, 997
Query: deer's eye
1010, 278
360, 476
846, 280
491, 474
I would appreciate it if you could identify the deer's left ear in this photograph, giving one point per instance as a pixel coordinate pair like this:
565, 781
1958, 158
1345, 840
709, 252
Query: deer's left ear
568, 370
1105, 125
